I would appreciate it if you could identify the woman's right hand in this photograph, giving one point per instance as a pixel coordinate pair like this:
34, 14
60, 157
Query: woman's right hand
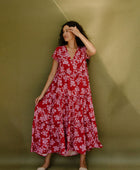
38, 99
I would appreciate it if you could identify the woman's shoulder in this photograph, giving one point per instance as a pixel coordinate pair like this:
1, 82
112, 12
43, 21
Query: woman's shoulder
60, 47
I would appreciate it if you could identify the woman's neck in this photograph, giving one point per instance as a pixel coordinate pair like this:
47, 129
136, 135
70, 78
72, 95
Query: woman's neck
72, 45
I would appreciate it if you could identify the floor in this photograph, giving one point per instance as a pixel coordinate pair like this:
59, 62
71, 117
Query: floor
61, 167
98, 162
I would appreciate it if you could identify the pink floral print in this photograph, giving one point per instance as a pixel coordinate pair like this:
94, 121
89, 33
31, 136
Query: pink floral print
64, 120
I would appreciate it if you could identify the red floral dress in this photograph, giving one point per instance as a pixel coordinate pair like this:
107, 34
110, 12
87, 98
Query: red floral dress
64, 120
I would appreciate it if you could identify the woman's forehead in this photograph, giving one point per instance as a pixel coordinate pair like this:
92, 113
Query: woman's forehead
65, 27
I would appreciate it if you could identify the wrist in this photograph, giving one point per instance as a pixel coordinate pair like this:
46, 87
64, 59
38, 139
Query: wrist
42, 94
80, 35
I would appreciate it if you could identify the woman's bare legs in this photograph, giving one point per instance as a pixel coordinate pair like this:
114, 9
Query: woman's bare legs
83, 161
47, 160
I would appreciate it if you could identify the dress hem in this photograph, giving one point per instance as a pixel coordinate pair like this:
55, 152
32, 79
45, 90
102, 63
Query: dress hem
69, 153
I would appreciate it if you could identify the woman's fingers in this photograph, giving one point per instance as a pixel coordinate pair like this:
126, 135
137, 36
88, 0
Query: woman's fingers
36, 100
74, 30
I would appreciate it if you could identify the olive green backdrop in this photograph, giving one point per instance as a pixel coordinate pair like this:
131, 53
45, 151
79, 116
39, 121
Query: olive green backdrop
29, 33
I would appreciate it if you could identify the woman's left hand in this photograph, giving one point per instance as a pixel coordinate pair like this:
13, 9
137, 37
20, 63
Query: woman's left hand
75, 31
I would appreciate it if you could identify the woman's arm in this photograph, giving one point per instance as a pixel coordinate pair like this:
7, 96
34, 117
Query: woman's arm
50, 77
91, 50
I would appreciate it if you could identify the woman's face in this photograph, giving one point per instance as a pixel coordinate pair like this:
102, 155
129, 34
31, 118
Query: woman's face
67, 35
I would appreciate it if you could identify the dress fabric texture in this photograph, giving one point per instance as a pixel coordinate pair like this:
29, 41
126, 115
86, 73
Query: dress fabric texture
64, 120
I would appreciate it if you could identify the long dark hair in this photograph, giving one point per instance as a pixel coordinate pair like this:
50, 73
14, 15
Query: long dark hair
61, 40
72, 24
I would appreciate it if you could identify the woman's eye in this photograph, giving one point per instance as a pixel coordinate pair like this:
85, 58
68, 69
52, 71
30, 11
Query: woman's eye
65, 31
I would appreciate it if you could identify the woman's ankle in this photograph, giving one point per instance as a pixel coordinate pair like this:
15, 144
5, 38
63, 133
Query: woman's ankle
83, 164
83, 161
47, 161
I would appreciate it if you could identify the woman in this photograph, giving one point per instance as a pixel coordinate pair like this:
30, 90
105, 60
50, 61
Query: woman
64, 120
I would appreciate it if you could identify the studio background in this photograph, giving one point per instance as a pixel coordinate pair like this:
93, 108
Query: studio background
29, 32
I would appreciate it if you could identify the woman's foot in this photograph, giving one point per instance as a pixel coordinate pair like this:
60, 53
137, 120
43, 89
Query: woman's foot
41, 168
83, 168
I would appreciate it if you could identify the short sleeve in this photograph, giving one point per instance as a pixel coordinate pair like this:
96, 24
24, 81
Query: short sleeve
85, 53
54, 55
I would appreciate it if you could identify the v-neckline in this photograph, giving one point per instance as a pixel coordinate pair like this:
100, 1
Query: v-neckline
69, 54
